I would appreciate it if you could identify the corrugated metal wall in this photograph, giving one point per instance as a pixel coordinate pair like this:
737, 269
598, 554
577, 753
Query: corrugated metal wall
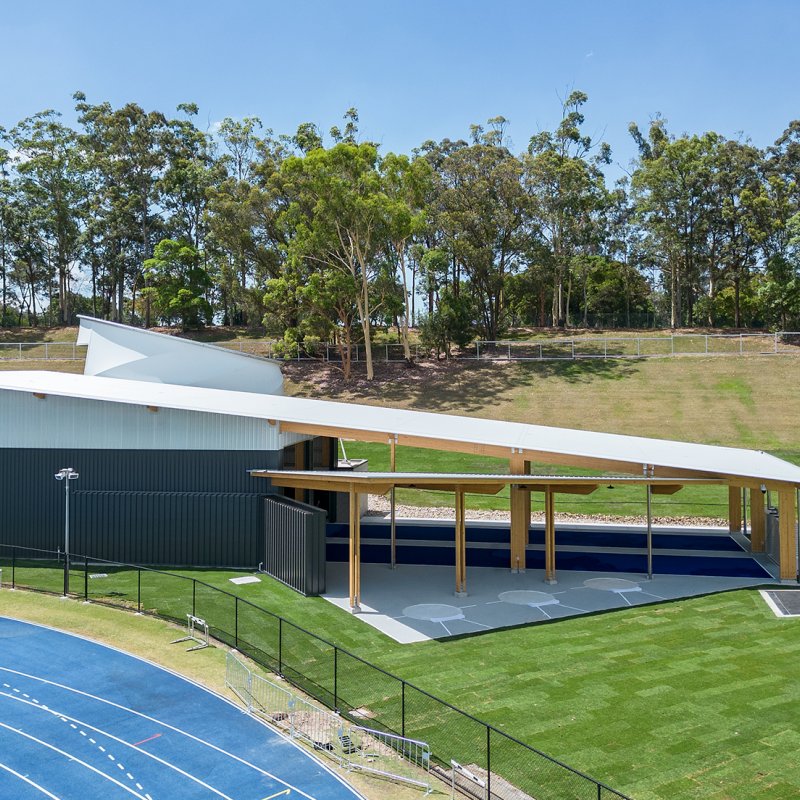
94, 424
294, 544
175, 528
32, 503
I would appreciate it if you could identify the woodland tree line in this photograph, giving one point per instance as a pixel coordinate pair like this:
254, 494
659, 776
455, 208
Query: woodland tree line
138, 216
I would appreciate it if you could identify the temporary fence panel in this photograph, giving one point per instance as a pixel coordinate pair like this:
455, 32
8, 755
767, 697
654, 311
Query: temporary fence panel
389, 755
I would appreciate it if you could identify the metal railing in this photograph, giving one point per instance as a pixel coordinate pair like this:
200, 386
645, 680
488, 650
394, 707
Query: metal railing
41, 351
353, 747
338, 679
587, 346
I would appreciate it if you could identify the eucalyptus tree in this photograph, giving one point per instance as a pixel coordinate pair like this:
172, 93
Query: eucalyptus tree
50, 175
243, 211
337, 214
736, 178
564, 178
127, 151
406, 182
671, 190
9, 229
190, 172
482, 211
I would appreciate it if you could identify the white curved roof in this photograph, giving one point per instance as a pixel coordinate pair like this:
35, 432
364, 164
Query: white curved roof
420, 427
121, 351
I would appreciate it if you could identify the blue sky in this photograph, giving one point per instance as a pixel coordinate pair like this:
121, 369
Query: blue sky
415, 70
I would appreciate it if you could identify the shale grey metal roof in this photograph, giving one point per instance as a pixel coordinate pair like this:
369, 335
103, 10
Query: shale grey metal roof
378, 423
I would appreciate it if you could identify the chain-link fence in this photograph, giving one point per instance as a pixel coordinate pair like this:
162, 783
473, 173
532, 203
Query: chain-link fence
41, 351
364, 694
585, 346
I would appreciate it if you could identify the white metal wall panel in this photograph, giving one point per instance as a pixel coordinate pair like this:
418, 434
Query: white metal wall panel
57, 422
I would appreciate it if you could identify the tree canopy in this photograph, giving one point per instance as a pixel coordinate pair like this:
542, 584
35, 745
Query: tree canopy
141, 216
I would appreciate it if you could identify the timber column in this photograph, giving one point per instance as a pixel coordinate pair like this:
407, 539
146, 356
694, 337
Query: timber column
787, 522
549, 536
461, 545
355, 551
734, 509
520, 514
758, 521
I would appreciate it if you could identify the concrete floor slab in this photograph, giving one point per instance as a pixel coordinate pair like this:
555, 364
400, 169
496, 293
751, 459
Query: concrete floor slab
394, 600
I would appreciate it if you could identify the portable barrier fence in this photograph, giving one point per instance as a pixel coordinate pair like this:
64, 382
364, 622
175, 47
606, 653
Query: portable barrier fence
372, 702
353, 747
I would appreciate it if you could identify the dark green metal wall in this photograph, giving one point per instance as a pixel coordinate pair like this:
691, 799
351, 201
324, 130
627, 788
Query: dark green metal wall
147, 506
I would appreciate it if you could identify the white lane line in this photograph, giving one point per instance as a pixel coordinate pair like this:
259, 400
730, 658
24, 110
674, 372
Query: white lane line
122, 742
30, 782
157, 721
70, 757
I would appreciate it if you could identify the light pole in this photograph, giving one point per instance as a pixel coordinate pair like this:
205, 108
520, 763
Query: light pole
67, 474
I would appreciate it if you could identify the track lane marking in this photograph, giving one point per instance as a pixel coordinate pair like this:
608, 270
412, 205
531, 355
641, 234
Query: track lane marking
112, 758
70, 757
148, 739
177, 730
30, 782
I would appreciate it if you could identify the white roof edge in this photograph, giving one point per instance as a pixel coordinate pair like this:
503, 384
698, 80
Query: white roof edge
752, 465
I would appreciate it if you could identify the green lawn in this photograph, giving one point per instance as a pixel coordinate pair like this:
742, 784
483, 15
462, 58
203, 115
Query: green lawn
690, 699
699, 501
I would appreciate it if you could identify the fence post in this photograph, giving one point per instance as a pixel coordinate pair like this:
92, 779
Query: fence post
509, 352
488, 763
280, 645
672, 342
572, 342
86, 579
403, 708
387, 353
194, 595
706, 344
236, 622
13, 567
638, 346
741, 344
139, 591
46, 351
478, 356
335, 678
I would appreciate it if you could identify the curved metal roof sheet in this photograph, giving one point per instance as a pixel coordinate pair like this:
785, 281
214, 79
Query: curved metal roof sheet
125, 352
733, 462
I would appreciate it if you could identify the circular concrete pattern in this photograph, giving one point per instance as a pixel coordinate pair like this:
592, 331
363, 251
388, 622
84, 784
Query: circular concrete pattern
612, 585
433, 612
524, 597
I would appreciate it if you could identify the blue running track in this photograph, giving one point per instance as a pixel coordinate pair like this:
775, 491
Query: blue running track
84, 721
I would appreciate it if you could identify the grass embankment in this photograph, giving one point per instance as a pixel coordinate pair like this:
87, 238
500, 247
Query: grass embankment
742, 402
691, 699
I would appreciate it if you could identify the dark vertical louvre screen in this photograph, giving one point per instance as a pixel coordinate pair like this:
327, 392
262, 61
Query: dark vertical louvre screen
294, 544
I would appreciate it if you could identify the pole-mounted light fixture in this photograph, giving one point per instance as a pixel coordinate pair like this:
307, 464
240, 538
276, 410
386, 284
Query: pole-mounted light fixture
67, 474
